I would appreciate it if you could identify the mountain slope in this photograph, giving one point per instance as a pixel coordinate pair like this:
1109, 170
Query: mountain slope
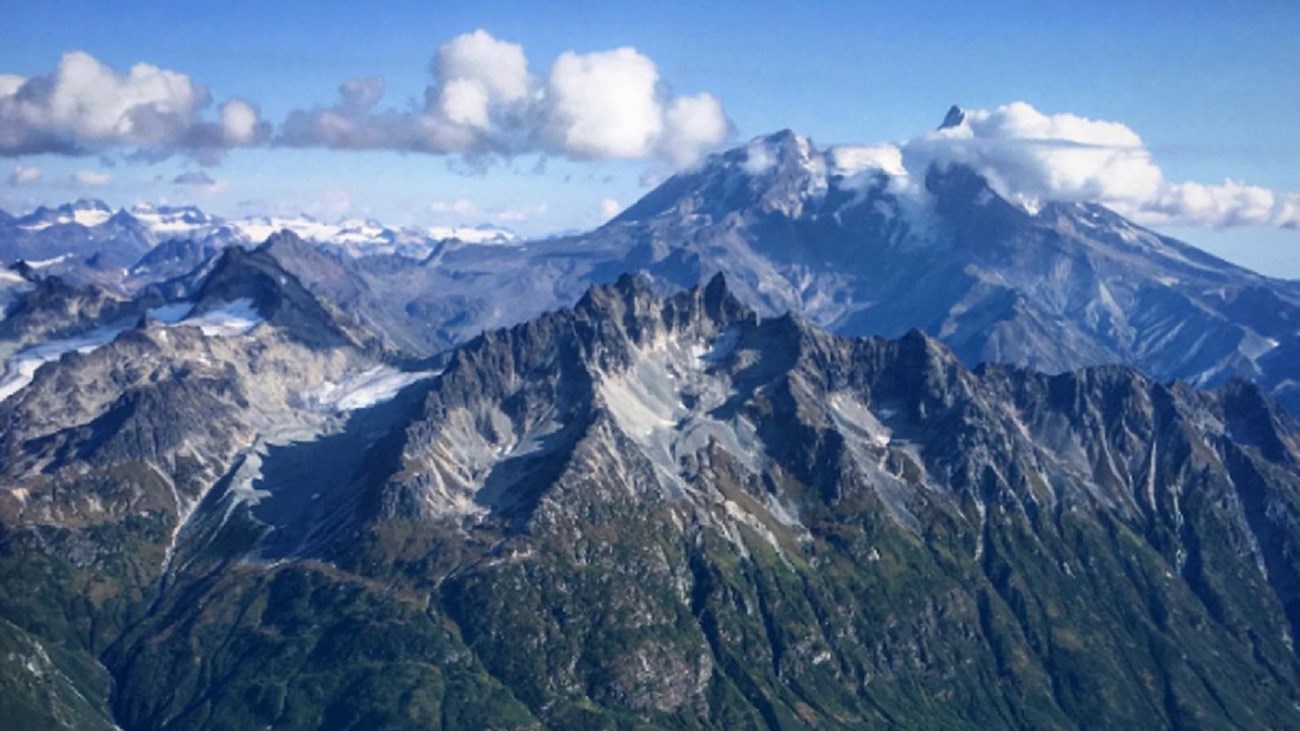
110, 453
656, 512
838, 529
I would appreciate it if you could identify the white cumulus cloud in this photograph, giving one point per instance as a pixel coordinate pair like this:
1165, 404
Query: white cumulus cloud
239, 122
498, 67
604, 104
1029, 157
485, 100
85, 106
694, 125
1288, 211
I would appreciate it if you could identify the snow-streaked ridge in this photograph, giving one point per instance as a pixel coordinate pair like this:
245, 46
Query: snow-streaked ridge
20, 368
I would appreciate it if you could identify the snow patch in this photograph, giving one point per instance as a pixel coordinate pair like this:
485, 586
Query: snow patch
232, 318
241, 484
172, 222
90, 217
1253, 345
260, 229
367, 388
46, 263
21, 367
170, 314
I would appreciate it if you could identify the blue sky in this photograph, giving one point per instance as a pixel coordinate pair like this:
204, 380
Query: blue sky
1209, 87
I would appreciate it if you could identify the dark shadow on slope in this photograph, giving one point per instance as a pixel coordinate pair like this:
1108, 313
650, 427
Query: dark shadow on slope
311, 483
515, 486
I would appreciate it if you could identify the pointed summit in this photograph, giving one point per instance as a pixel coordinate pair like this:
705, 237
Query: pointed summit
784, 145
954, 118
276, 295
783, 137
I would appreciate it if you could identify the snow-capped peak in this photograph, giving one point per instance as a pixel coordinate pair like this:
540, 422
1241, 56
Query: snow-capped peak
480, 234
172, 221
85, 212
781, 150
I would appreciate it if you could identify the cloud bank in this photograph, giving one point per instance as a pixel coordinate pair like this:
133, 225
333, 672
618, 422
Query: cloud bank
484, 100
1029, 157
86, 107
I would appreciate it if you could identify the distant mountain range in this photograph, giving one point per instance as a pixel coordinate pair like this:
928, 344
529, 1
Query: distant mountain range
88, 240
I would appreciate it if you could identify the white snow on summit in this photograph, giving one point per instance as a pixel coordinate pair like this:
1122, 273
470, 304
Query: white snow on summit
173, 222
368, 237
474, 234
262, 227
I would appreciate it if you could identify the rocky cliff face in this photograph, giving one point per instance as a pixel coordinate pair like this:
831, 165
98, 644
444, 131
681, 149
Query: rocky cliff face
644, 511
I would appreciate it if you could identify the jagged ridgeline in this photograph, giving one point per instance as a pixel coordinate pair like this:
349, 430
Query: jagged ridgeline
639, 512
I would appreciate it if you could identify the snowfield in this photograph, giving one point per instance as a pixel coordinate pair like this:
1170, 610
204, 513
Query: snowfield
21, 368
367, 388
233, 318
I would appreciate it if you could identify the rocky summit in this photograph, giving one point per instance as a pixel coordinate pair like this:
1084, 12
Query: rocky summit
640, 511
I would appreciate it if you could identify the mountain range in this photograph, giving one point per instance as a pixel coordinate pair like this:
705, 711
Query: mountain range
86, 240
825, 233
783, 445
